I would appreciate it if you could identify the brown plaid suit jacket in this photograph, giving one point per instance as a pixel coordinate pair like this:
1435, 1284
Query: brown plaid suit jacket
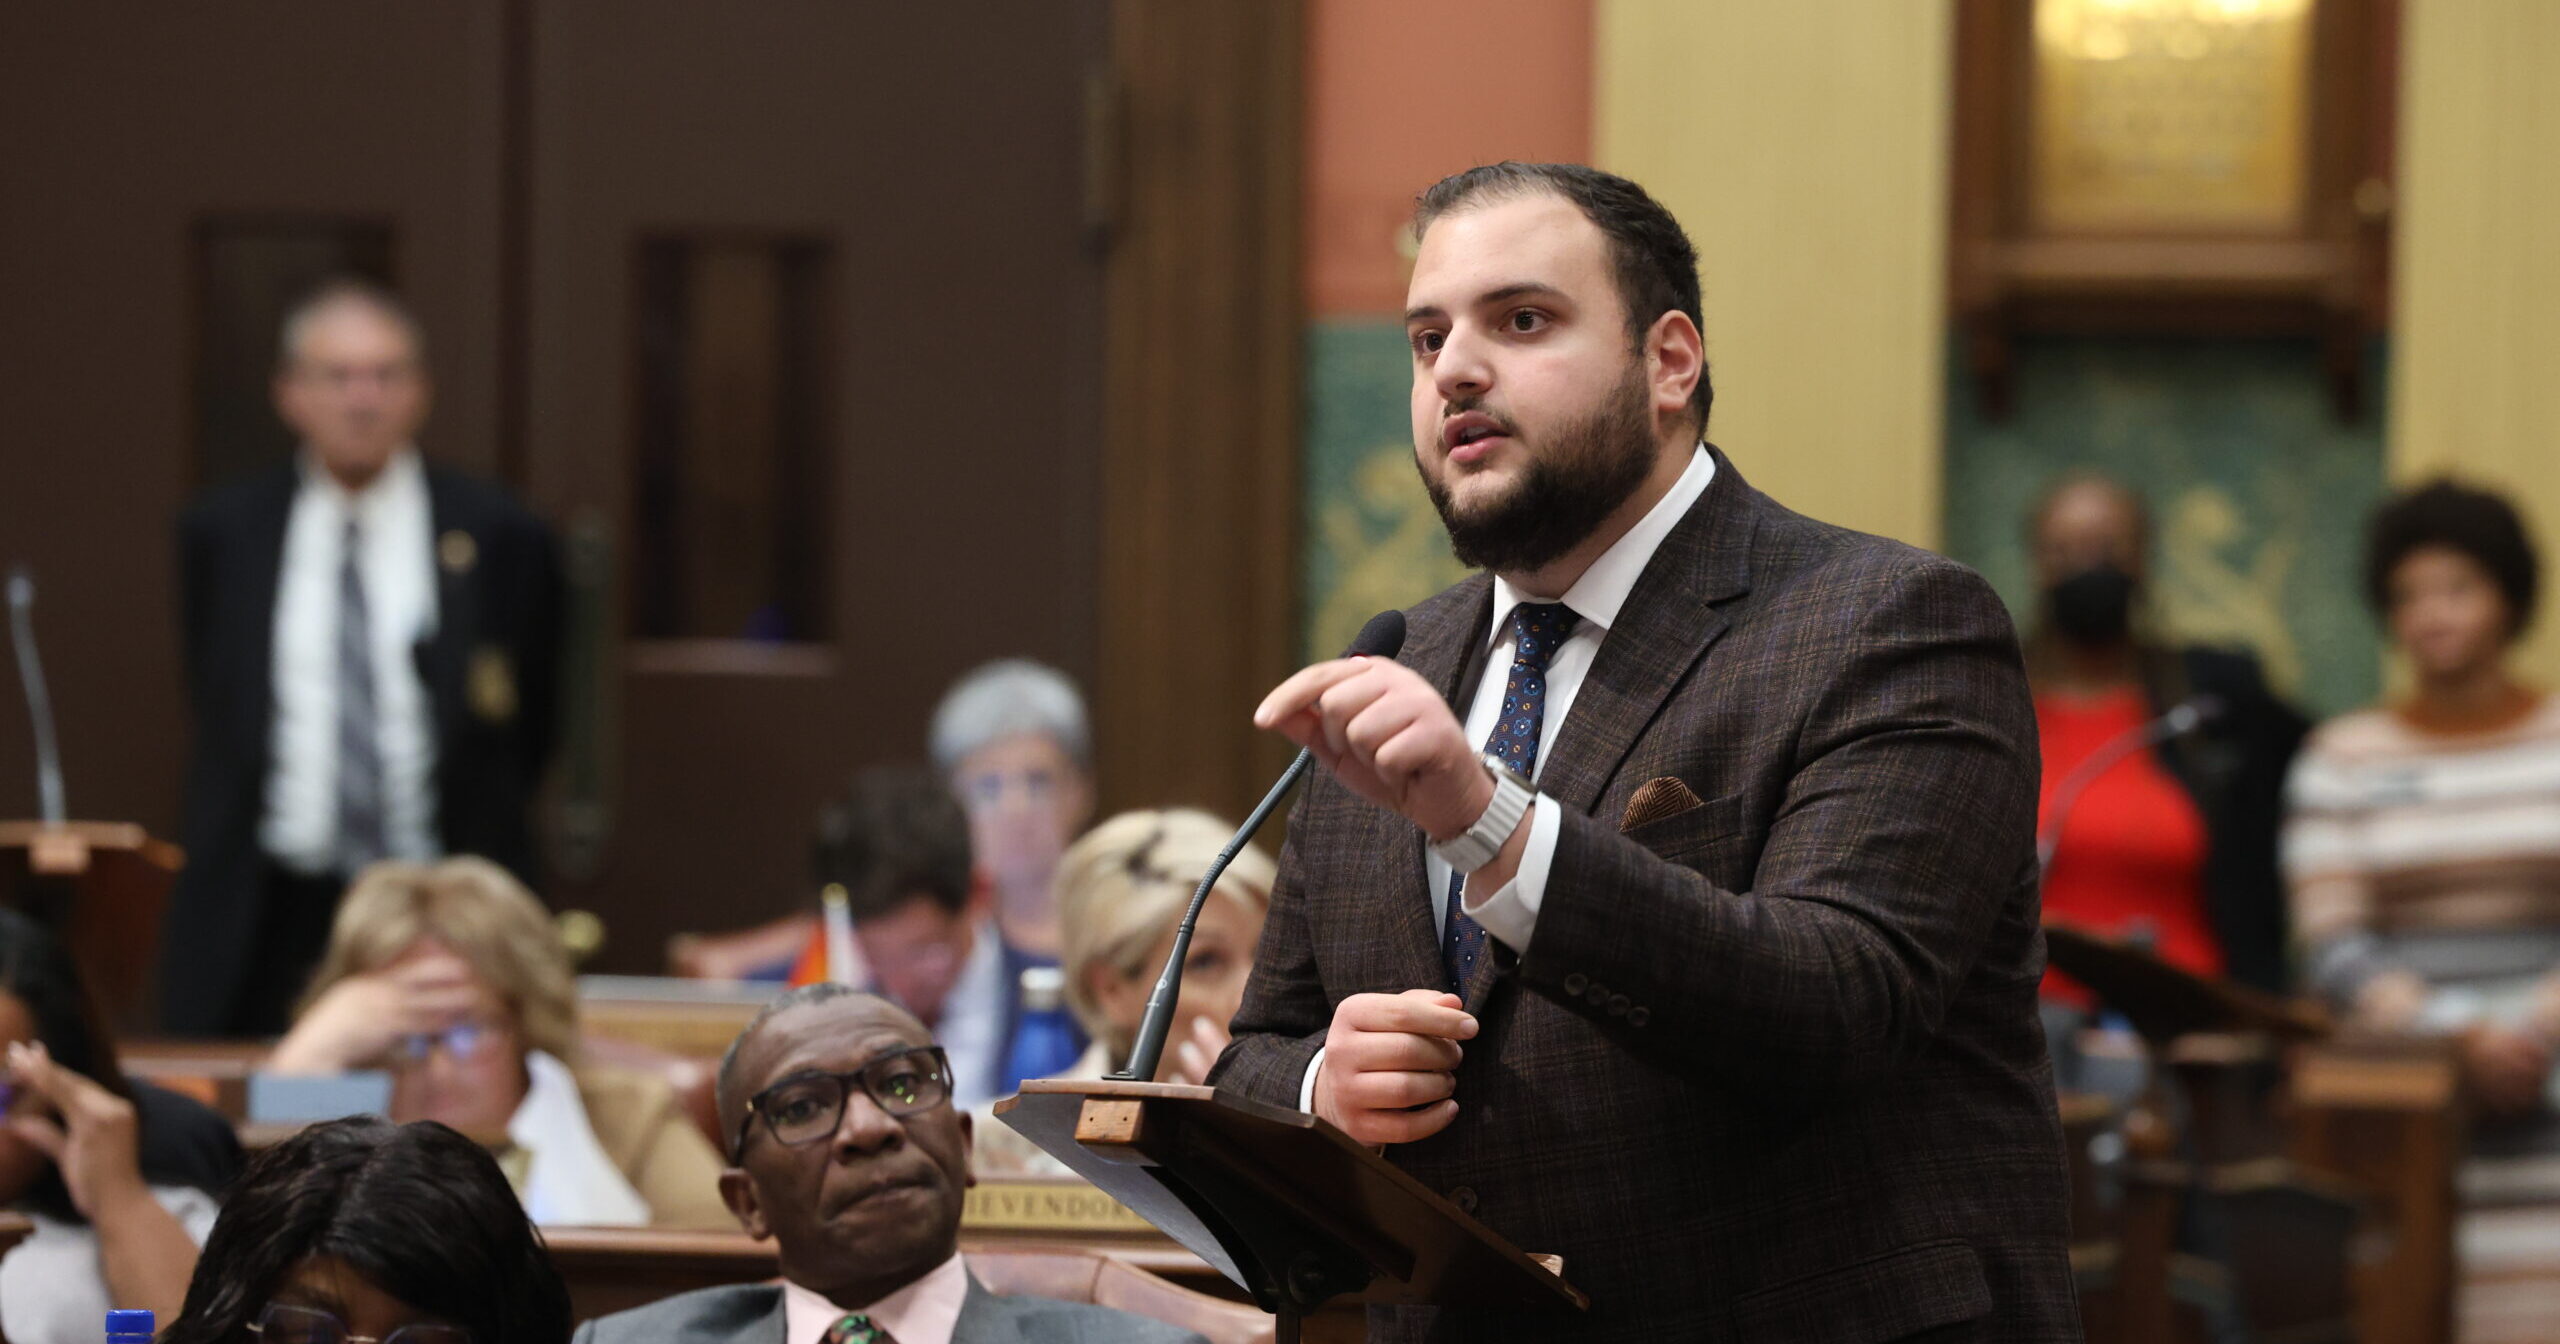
1771, 1068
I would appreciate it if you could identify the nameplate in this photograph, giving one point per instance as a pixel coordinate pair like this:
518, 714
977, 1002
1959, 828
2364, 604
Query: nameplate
1046, 1206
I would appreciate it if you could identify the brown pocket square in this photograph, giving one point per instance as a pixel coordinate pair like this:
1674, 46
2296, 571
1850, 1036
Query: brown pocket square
1657, 799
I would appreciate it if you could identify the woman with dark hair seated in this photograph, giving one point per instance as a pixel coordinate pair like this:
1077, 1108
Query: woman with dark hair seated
358, 1228
119, 1178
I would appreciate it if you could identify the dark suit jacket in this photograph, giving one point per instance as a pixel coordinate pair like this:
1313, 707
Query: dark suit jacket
1771, 1069
498, 602
753, 1314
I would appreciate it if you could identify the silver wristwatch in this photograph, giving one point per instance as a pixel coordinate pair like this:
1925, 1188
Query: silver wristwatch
1476, 848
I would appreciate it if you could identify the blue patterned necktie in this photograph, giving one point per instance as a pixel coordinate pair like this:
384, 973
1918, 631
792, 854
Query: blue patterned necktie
1538, 630
361, 830
856, 1329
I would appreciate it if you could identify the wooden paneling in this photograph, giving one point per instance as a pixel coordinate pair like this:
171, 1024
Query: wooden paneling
1200, 465
124, 126
938, 157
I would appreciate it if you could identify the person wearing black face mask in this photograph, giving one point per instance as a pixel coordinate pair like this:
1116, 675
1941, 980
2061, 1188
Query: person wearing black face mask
2176, 844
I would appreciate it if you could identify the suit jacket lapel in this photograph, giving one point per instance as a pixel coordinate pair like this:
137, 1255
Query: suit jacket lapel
1667, 623
271, 515
440, 656
983, 1318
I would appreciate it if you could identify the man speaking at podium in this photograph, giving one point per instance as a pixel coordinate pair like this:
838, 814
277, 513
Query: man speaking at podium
1668, 903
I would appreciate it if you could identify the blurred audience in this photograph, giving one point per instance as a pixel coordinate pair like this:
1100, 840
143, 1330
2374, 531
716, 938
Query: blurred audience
1011, 739
370, 646
848, 1152
899, 847
119, 1178
1121, 890
2176, 843
2424, 847
451, 976
359, 1230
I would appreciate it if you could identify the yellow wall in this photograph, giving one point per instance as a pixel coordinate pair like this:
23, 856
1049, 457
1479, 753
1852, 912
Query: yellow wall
1803, 144
2476, 315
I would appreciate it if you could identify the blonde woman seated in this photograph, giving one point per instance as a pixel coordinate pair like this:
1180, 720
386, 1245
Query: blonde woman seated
1121, 890
451, 976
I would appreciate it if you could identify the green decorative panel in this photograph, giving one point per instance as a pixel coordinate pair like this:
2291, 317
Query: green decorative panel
1373, 539
2258, 492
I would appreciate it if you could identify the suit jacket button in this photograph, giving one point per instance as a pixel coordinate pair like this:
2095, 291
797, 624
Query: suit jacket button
1638, 1016
1464, 1197
1576, 983
1617, 1005
1598, 995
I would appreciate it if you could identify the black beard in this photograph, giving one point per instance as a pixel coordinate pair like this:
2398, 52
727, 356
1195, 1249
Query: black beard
1596, 464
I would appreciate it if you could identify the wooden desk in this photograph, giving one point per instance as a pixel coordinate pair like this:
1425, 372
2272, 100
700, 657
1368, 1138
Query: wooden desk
682, 1017
2387, 1115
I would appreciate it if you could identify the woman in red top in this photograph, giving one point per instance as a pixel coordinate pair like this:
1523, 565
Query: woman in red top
2173, 844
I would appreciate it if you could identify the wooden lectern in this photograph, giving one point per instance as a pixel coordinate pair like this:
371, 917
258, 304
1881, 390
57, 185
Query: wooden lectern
102, 886
1288, 1207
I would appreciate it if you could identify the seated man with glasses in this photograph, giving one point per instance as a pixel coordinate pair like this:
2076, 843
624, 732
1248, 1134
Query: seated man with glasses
846, 1150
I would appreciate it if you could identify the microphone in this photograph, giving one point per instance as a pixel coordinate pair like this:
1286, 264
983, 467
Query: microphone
1380, 638
2187, 716
22, 634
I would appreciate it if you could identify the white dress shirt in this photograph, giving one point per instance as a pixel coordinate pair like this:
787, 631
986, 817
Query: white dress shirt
971, 1029
924, 1312
395, 528
1510, 912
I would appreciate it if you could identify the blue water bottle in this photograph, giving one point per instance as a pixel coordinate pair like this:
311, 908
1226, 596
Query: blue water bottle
131, 1327
1044, 1042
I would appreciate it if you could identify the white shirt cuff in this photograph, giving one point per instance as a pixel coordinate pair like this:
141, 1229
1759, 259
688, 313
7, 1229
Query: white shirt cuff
1307, 1085
1510, 912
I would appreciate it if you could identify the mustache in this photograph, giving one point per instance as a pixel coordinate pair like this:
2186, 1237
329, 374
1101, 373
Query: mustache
1451, 409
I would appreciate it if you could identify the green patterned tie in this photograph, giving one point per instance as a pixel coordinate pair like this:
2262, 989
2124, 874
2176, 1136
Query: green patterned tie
856, 1329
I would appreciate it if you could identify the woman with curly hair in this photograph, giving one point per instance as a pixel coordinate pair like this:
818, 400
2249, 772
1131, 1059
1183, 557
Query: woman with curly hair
2423, 848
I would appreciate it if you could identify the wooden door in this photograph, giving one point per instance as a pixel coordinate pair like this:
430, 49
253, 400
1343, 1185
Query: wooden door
814, 388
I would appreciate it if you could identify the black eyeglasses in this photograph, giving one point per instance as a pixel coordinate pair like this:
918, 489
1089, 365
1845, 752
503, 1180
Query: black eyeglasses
806, 1107
282, 1324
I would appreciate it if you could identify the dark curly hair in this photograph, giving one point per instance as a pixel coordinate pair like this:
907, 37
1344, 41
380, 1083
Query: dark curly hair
1651, 258
897, 834
2472, 522
419, 1211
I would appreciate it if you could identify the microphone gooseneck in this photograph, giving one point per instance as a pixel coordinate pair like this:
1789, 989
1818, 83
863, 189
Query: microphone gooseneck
2182, 718
22, 634
1382, 637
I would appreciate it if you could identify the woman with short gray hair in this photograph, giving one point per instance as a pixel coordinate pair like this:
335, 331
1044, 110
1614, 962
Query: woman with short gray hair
1011, 738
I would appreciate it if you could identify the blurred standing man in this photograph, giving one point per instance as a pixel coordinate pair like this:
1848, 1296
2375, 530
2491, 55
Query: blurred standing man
1715, 973
371, 644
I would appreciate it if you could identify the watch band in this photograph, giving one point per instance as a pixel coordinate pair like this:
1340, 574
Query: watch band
1477, 846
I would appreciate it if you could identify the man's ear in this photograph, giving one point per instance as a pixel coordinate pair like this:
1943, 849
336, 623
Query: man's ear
969, 1149
738, 1191
1675, 358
